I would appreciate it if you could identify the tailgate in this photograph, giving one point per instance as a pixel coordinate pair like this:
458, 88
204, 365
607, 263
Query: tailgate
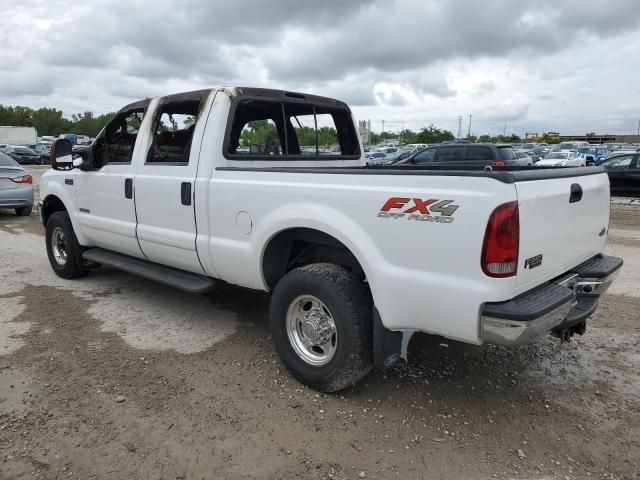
558, 232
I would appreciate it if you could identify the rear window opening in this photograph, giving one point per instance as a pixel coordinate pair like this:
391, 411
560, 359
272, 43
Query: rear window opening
173, 132
264, 129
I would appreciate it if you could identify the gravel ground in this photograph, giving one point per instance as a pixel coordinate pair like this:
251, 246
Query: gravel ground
113, 377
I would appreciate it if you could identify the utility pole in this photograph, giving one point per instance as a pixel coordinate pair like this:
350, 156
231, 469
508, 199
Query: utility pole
382, 126
459, 127
638, 127
469, 132
504, 134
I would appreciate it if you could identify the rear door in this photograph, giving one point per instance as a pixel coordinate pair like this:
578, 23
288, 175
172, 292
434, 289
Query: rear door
451, 156
479, 155
634, 176
563, 222
164, 183
618, 169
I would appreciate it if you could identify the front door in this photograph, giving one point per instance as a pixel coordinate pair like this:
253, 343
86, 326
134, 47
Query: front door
618, 169
164, 183
634, 177
104, 194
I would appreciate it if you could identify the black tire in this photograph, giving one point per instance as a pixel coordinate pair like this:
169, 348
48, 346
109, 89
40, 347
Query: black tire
349, 301
73, 266
24, 211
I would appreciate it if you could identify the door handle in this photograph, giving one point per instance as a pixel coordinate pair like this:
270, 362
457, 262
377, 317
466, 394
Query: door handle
576, 193
185, 193
128, 188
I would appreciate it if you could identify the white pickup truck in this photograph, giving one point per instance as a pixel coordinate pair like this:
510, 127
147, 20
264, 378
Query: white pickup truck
269, 190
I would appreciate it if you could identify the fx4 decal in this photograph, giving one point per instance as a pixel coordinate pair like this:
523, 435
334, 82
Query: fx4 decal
416, 209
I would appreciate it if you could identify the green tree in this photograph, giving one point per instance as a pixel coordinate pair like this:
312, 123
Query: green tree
432, 134
550, 139
407, 136
49, 121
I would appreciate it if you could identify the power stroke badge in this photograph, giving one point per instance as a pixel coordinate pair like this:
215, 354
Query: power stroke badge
416, 209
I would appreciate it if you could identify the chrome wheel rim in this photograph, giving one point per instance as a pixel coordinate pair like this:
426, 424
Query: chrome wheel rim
311, 330
59, 246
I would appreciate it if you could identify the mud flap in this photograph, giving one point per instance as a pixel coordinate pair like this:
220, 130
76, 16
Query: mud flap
389, 347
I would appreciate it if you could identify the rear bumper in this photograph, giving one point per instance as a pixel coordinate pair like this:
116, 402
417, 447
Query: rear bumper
554, 306
17, 197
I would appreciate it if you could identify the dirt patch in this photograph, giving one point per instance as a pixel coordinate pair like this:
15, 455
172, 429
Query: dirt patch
11, 331
625, 216
111, 379
14, 224
457, 411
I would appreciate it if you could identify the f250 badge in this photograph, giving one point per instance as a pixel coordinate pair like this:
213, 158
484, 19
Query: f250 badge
416, 209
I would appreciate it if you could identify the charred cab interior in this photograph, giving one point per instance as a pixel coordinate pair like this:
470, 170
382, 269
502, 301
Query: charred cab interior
291, 126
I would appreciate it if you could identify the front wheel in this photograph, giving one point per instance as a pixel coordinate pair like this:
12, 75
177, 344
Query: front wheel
63, 249
320, 320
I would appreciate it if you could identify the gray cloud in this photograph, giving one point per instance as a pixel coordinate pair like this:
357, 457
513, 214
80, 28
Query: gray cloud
494, 57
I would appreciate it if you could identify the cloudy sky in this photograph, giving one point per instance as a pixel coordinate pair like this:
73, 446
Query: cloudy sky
543, 65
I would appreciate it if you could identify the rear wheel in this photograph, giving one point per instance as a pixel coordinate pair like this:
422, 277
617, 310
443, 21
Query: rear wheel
63, 249
320, 320
24, 211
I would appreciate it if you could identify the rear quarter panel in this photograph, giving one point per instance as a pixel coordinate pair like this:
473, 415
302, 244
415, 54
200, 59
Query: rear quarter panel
423, 275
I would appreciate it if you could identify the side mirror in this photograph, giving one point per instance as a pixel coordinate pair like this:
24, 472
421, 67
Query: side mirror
61, 155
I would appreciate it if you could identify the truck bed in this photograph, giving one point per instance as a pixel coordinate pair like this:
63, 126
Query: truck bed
505, 174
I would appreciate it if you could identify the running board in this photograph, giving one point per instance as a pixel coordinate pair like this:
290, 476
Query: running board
187, 281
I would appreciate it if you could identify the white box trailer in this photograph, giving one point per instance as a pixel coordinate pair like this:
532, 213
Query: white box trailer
18, 135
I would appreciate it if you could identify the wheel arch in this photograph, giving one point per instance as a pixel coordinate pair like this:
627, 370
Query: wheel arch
59, 200
294, 247
51, 203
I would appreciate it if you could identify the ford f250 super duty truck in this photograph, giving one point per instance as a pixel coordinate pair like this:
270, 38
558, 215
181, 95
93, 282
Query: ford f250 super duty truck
269, 190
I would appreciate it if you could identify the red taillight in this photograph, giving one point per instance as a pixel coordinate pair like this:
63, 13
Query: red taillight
501, 241
499, 163
23, 179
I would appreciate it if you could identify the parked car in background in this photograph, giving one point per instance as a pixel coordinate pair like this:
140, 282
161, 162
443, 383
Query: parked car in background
16, 186
624, 173
612, 147
72, 137
593, 154
571, 146
522, 155
476, 154
24, 155
390, 158
561, 159
540, 152
415, 146
43, 149
372, 157
387, 150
